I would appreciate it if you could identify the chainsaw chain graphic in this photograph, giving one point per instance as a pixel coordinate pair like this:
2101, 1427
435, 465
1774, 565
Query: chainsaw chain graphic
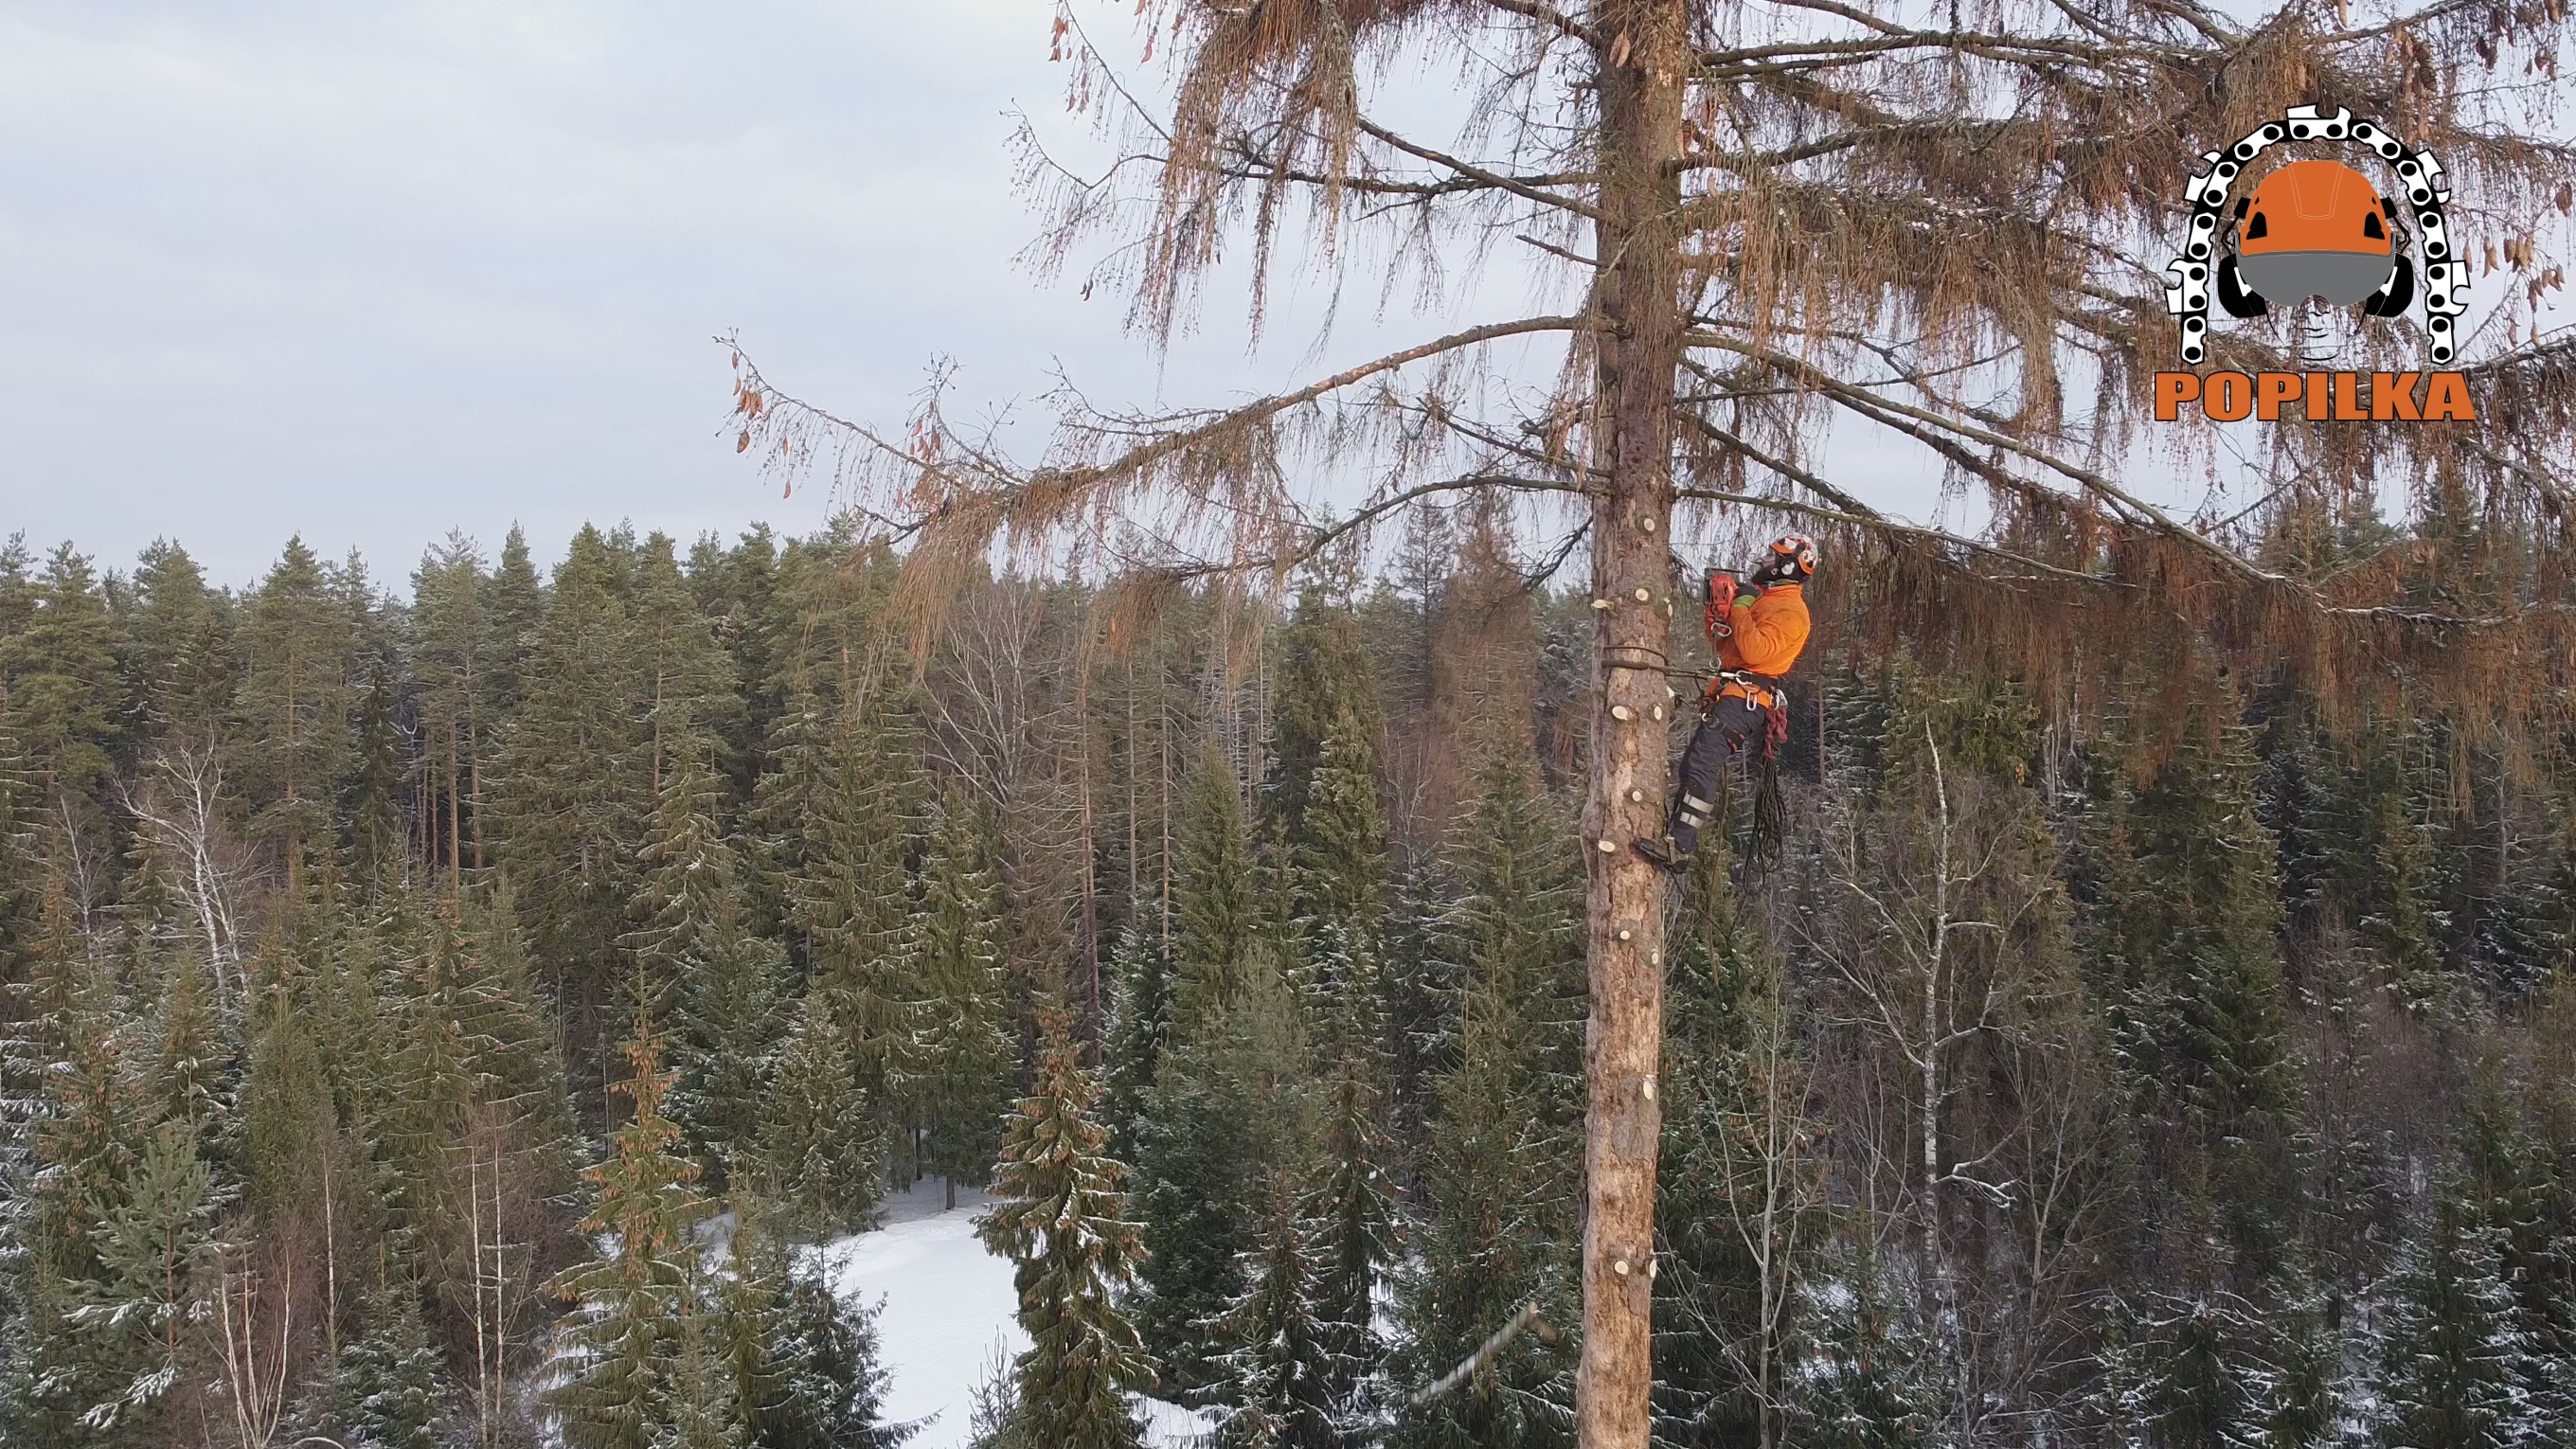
2446, 277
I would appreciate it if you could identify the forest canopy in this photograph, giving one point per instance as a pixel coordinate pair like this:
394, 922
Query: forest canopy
380, 957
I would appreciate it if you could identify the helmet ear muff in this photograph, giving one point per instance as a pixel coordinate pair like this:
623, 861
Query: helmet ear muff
2394, 294
2232, 293
1793, 555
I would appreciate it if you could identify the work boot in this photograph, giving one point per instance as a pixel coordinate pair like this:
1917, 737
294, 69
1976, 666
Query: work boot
1663, 854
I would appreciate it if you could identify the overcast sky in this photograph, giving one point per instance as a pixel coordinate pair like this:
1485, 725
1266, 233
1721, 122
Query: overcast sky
372, 272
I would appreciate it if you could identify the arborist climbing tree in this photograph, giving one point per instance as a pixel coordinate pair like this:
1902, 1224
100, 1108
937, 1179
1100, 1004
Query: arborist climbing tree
1910, 223
1758, 626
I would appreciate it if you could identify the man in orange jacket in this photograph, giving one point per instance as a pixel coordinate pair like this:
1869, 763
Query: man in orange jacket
1758, 628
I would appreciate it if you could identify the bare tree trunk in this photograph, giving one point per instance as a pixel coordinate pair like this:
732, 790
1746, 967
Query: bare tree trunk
1641, 75
473, 764
455, 810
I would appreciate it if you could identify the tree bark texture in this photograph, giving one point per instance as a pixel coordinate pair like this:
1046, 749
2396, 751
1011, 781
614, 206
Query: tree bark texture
1641, 76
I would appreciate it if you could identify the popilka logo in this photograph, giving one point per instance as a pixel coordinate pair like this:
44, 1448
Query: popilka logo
2316, 229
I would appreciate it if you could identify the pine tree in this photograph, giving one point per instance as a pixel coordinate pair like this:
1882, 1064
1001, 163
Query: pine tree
58, 668
131, 1322
958, 1054
2451, 1355
614, 1358
1062, 1219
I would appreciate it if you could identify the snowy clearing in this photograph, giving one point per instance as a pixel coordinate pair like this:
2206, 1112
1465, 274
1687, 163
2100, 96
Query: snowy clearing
946, 1316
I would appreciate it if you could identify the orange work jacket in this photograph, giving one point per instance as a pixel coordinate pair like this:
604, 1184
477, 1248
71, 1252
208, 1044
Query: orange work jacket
1764, 637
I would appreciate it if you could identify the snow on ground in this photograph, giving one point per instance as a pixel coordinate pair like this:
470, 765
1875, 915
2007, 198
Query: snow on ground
946, 1318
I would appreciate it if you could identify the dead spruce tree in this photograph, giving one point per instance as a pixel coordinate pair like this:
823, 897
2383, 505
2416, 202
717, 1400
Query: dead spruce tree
1942, 226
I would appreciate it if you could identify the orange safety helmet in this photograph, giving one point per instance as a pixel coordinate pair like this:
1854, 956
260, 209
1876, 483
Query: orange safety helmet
2315, 229
1793, 556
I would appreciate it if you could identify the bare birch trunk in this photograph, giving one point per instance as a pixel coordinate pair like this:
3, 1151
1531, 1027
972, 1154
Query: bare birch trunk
1641, 77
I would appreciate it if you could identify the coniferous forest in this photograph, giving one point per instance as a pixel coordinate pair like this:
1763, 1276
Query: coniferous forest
446, 1010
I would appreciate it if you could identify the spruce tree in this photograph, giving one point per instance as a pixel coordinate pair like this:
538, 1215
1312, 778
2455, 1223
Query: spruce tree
1140, 1021
179, 661
804, 1364
2186, 924
1739, 1193
450, 645
689, 695
821, 1152
299, 644
1867, 1383
613, 1361
2199, 1393
574, 785
1280, 1377
844, 810
1504, 1159
513, 606
2451, 1355
693, 944
1217, 1113
701, 1404
1355, 1231
385, 1389
958, 1053
1216, 899
1062, 1219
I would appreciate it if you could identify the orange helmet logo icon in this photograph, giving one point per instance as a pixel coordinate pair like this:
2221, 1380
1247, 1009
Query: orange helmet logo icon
2315, 229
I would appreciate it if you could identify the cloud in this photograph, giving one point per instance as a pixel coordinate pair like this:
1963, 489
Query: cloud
375, 271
